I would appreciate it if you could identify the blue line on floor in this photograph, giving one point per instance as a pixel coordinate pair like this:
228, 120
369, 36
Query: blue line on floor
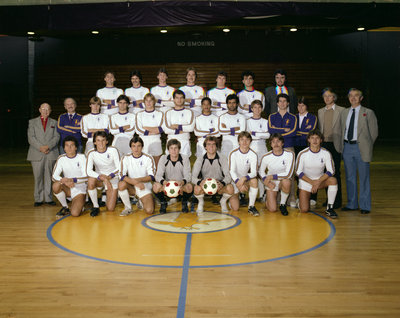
184, 280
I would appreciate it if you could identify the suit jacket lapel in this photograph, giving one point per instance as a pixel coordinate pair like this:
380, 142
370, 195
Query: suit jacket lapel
335, 116
361, 122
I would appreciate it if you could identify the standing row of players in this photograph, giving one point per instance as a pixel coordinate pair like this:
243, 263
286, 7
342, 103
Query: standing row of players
135, 173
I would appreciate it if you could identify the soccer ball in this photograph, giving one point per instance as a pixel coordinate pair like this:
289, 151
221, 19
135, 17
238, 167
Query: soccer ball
172, 189
210, 186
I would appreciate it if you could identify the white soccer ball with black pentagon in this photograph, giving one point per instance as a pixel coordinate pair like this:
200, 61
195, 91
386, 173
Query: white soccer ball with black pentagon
210, 186
172, 189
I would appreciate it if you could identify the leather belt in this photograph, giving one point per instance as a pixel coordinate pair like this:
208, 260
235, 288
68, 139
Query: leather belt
352, 142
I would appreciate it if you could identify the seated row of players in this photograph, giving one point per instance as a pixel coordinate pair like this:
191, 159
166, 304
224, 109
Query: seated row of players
193, 93
134, 174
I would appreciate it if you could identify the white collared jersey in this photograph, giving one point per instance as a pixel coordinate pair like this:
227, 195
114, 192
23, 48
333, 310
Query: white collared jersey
139, 167
118, 121
74, 168
206, 125
242, 164
314, 164
246, 97
192, 92
184, 117
145, 118
162, 92
281, 167
219, 94
136, 93
231, 121
93, 121
106, 162
109, 93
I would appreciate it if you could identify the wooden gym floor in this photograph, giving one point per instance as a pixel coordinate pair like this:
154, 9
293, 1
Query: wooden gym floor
299, 266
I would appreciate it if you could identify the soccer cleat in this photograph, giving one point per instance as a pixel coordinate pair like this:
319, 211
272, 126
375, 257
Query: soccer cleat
253, 211
94, 212
64, 211
331, 213
139, 205
242, 199
126, 212
313, 202
185, 208
163, 207
283, 209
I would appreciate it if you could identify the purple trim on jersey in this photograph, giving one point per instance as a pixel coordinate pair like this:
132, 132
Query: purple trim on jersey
103, 151
123, 113
236, 180
163, 86
244, 152
315, 151
149, 111
137, 157
249, 91
71, 157
206, 115
136, 87
123, 177
112, 175
283, 151
109, 87
301, 175
263, 179
106, 130
109, 106
95, 113
146, 132
253, 133
232, 131
329, 174
221, 88
160, 129
178, 110
255, 118
152, 178
90, 135
121, 129
75, 180
98, 178
180, 127
275, 177
176, 131
134, 103
192, 102
247, 177
211, 130
159, 101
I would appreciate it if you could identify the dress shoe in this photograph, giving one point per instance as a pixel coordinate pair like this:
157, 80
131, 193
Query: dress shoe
364, 212
345, 208
38, 204
51, 203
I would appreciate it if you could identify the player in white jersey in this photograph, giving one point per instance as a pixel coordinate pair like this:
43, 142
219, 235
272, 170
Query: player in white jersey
137, 172
193, 93
249, 94
163, 92
69, 178
122, 126
105, 161
93, 122
258, 128
230, 125
279, 164
243, 170
179, 123
219, 94
109, 95
205, 125
136, 92
149, 124
315, 169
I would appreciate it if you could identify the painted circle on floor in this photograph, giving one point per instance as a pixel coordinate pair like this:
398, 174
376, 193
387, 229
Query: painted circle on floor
214, 240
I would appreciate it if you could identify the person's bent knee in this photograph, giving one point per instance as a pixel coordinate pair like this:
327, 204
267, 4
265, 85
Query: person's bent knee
56, 187
122, 185
198, 190
229, 189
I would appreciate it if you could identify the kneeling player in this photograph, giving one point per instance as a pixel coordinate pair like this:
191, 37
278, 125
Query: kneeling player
137, 172
106, 163
310, 166
212, 165
176, 167
280, 164
243, 170
73, 183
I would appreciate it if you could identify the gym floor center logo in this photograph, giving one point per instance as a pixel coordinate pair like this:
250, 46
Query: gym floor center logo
178, 222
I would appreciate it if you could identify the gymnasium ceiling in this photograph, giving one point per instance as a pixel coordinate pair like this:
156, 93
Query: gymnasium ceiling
64, 18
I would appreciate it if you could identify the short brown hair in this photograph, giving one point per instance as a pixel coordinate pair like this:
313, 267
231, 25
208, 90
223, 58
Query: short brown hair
245, 134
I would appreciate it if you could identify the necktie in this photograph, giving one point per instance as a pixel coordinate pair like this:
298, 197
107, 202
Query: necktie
350, 132
70, 116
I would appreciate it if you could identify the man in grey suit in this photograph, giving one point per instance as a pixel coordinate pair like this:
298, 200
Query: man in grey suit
330, 126
273, 91
359, 132
43, 152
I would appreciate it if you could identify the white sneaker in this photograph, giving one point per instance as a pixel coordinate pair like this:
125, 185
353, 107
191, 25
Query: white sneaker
200, 208
224, 208
139, 205
313, 202
126, 212
172, 201
293, 204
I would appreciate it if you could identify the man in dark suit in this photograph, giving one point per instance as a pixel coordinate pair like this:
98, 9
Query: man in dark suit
359, 132
43, 152
273, 91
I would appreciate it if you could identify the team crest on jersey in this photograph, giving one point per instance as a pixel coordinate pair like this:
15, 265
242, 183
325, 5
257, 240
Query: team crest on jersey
322, 160
283, 162
141, 162
237, 120
153, 116
307, 121
287, 122
190, 223
260, 126
108, 156
126, 118
77, 164
98, 118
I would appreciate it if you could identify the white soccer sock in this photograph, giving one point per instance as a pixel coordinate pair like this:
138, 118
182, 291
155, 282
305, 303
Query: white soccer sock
93, 197
252, 196
62, 199
225, 197
261, 188
124, 195
332, 190
284, 197
200, 205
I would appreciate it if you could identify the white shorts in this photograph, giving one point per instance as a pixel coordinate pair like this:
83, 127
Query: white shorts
276, 188
304, 185
185, 147
235, 188
152, 145
79, 188
147, 190
114, 182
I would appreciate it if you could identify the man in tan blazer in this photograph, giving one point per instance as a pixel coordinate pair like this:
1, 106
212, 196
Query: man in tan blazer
359, 132
43, 152
330, 126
